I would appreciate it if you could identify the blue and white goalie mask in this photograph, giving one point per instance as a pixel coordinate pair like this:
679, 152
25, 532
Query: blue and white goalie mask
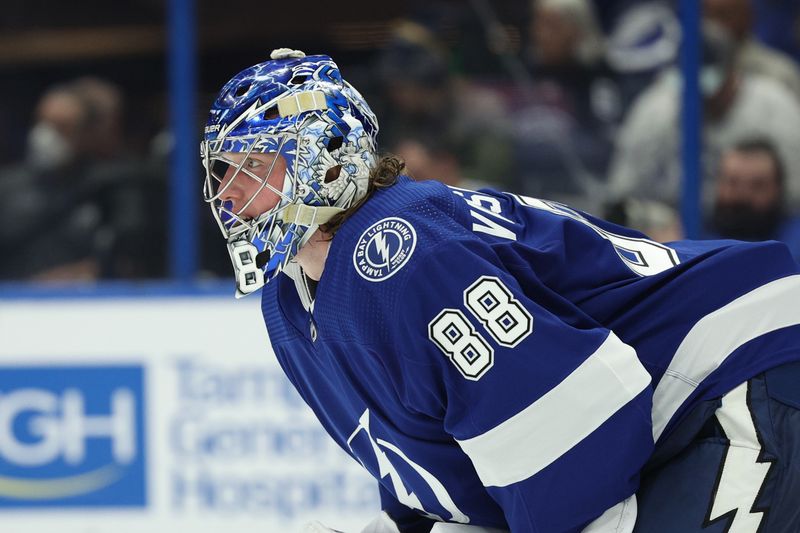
288, 144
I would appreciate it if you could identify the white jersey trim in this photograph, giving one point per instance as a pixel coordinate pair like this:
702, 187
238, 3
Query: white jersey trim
714, 337
529, 441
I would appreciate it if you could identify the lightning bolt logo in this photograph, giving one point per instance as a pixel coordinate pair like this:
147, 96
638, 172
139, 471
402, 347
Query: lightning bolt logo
743, 472
386, 468
252, 111
383, 247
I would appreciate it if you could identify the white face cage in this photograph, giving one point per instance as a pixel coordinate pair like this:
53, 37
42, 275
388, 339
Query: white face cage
231, 219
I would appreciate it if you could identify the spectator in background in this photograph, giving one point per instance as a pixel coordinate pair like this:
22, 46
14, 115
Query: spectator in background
421, 99
642, 40
736, 16
563, 126
430, 158
749, 197
71, 209
647, 160
564, 33
75, 122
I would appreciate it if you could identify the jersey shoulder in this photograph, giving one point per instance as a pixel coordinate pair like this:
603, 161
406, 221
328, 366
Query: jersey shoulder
397, 225
376, 252
418, 201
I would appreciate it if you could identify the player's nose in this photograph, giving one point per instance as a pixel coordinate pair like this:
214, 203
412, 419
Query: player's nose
228, 189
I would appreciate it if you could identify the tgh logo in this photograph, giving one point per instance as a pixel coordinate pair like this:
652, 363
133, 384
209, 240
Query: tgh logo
71, 436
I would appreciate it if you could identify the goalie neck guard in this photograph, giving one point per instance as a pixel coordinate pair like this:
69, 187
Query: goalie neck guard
274, 132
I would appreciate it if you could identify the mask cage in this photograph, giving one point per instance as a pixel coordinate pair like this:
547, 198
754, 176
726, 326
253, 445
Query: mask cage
232, 222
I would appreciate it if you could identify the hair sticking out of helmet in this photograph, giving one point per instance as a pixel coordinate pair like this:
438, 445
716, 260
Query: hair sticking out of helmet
274, 132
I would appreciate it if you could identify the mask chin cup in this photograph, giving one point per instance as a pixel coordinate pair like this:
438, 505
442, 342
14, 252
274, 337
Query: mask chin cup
249, 277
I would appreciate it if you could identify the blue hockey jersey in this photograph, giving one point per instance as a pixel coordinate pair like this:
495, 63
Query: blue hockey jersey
509, 362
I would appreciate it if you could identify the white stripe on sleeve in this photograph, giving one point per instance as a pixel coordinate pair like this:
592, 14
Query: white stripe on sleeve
529, 441
714, 337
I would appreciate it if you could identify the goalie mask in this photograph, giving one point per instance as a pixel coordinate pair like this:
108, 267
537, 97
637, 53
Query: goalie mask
288, 144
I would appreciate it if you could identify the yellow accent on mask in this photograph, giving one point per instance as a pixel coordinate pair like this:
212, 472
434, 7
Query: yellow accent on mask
300, 102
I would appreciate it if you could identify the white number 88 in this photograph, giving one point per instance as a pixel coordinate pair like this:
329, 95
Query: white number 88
466, 348
502, 315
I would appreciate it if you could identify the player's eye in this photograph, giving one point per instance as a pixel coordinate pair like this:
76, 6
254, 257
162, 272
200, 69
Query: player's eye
252, 164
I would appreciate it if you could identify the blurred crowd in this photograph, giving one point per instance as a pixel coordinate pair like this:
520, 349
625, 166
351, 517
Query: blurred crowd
79, 205
578, 101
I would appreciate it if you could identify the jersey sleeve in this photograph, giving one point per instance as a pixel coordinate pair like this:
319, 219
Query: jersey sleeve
552, 410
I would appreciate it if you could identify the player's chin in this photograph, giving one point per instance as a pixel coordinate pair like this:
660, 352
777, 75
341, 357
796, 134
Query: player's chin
255, 211
249, 215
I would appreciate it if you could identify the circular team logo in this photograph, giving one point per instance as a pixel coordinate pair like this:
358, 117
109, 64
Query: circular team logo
384, 248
